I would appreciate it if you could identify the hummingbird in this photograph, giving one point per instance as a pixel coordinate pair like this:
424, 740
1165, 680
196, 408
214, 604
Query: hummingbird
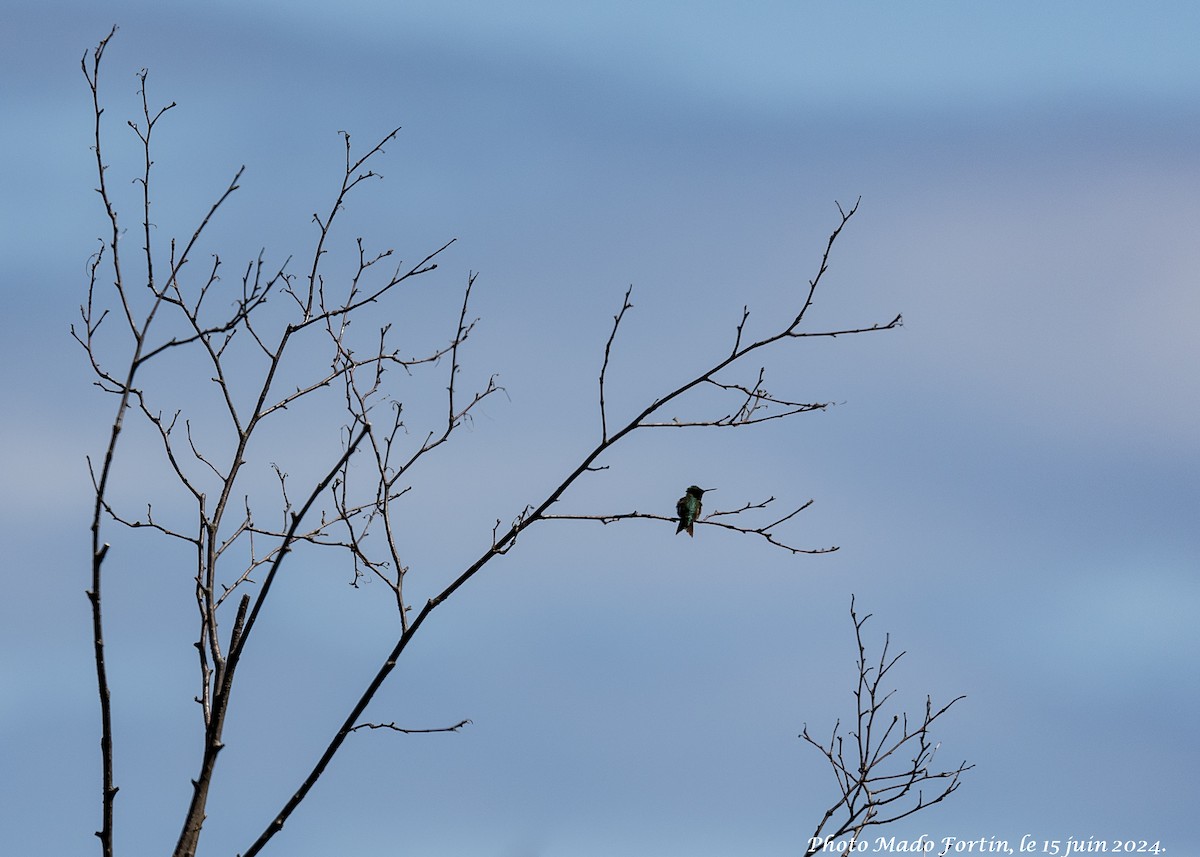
688, 509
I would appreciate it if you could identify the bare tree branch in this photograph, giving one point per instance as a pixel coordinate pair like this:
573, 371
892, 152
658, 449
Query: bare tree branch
765, 531
532, 513
259, 357
882, 774
393, 727
625, 305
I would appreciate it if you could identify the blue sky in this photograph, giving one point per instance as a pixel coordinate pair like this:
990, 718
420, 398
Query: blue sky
1012, 476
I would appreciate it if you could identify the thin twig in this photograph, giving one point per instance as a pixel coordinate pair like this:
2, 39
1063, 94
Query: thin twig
873, 793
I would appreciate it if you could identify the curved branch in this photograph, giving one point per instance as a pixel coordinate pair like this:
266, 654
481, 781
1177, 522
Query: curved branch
533, 513
625, 305
763, 531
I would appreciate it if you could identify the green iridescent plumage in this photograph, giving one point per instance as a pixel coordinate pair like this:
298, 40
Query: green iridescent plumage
688, 508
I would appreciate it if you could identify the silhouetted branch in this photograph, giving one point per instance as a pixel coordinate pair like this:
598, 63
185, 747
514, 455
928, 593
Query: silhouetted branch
765, 531
881, 772
264, 361
625, 305
392, 726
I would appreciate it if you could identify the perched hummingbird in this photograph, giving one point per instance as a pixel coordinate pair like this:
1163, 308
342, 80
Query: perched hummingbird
688, 509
